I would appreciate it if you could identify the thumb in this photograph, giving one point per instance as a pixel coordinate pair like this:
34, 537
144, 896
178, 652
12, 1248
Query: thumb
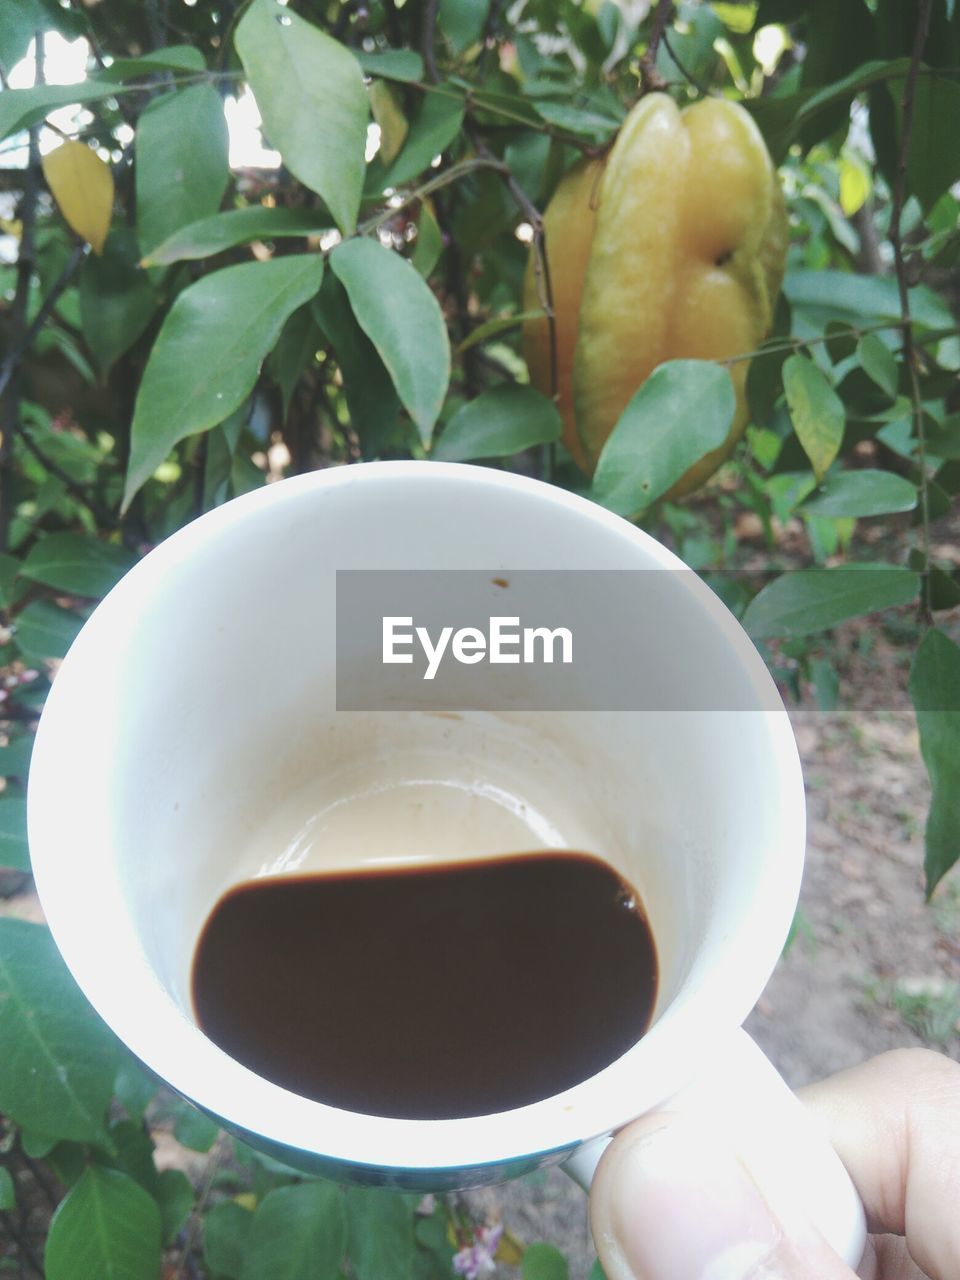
670, 1202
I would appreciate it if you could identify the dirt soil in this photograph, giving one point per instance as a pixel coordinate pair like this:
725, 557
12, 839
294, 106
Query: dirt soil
871, 967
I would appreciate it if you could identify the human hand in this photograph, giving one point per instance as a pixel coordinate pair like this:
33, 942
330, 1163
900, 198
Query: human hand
669, 1203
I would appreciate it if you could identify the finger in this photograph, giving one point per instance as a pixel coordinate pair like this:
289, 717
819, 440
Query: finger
895, 1123
669, 1202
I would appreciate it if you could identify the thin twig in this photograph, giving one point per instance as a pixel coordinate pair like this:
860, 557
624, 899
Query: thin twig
104, 518
426, 43
189, 1233
684, 71
650, 77
855, 331
910, 357
9, 385
444, 179
658, 26
23, 343
541, 262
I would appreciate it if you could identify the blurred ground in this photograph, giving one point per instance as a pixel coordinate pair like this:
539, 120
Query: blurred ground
872, 967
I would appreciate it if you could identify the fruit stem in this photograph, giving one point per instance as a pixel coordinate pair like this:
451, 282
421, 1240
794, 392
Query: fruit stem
650, 78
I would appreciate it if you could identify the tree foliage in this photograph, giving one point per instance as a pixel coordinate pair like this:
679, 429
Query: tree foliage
178, 327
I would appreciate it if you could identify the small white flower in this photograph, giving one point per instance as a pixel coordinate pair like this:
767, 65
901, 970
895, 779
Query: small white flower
477, 1259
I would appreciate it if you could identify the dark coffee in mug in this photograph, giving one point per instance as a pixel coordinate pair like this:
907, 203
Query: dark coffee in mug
429, 991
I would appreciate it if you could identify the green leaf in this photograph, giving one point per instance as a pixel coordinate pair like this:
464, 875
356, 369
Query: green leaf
596, 1271
590, 125
226, 1232
59, 1060
9, 587
117, 300
861, 493
74, 562
209, 352
933, 165
369, 392
314, 105
175, 1198
781, 119
18, 25
8, 1194
222, 231
496, 325
182, 169
403, 320
175, 57
133, 1154
544, 1262
842, 295
134, 1088
106, 1227
804, 601
295, 349
21, 108
44, 630
432, 129
498, 423
815, 410
298, 1234
462, 22
15, 756
380, 1234
193, 1129
935, 692
36, 1145
429, 242
14, 852
681, 412
434, 1252
878, 363
404, 65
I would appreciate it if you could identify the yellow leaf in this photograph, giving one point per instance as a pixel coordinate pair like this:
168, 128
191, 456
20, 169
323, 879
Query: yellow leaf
246, 1200
82, 186
510, 1250
392, 121
854, 185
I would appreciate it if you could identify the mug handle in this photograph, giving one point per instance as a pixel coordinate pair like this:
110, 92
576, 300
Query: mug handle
740, 1091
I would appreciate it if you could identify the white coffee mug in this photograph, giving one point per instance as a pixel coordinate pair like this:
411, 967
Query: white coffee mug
191, 740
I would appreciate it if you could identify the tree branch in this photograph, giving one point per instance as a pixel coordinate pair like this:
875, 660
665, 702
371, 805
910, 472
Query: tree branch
10, 385
541, 261
910, 357
650, 77
427, 40
22, 344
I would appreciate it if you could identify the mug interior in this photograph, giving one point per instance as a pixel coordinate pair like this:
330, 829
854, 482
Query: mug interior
192, 742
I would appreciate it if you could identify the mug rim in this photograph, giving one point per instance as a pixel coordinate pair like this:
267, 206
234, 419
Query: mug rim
162, 1036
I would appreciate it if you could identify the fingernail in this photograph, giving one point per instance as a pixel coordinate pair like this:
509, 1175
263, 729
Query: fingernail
676, 1209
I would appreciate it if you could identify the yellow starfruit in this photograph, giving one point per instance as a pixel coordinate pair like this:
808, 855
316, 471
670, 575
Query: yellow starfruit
672, 246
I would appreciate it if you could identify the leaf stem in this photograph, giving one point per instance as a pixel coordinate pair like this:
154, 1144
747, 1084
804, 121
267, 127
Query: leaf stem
858, 331
910, 357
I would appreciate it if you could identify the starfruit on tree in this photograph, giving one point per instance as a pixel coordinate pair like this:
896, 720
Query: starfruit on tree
671, 246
